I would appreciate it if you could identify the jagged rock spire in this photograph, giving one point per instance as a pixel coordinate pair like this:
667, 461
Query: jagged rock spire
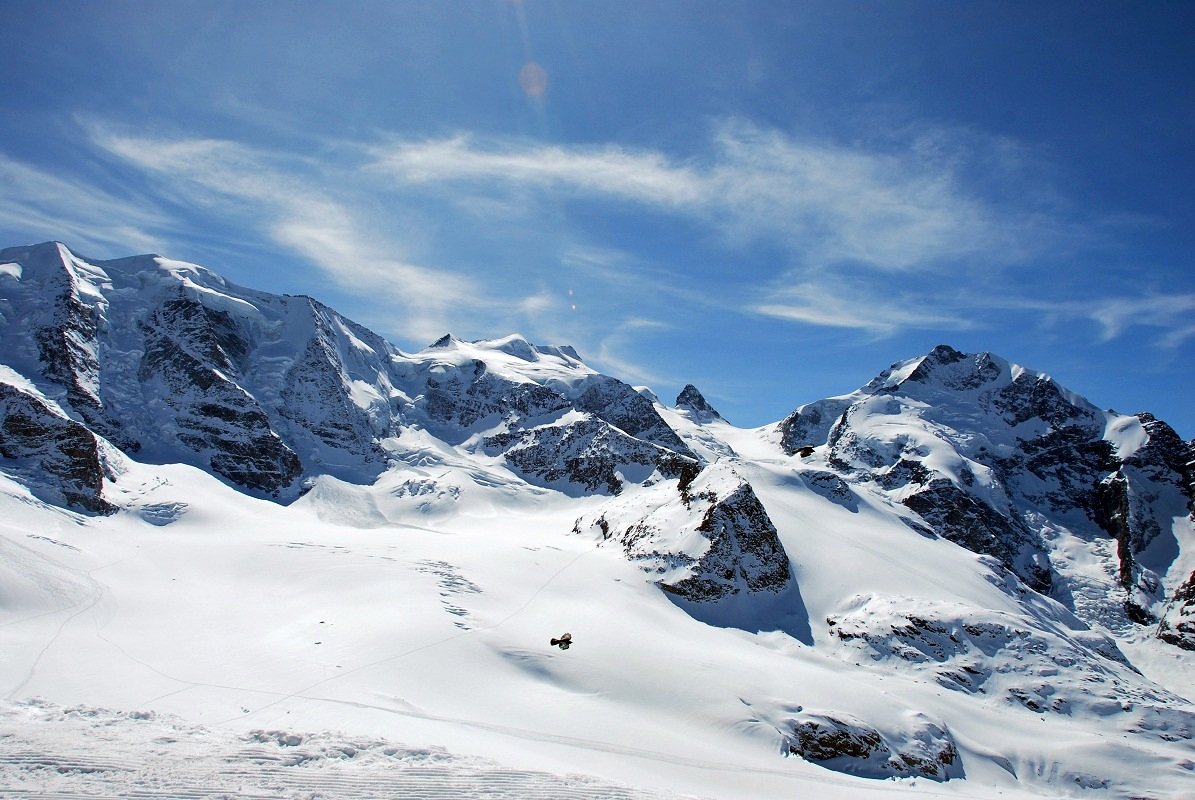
691, 399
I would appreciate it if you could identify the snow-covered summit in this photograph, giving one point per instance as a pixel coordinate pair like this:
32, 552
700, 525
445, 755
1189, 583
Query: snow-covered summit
1006, 461
170, 361
960, 572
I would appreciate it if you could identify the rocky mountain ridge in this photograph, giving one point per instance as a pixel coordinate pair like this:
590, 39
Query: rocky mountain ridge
1003, 461
1083, 517
162, 361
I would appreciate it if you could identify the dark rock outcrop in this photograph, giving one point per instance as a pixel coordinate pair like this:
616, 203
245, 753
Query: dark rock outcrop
58, 457
1178, 625
589, 454
736, 553
809, 425
690, 399
958, 516
460, 396
1166, 458
67, 335
191, 354
1034, 396
620, 405
839, 742
745, 552
831, 486
317, 393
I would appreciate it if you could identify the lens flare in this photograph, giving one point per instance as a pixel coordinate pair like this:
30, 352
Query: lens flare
533, 79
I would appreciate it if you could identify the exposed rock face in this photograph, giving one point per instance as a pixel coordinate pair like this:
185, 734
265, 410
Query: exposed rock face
317, 390
745, 553
999, 459
314, 398
832, 487
1114, 514
843, 743
590, 454
1034, 396
1178, 625
583, 434
956, 515
192, 355
59, 458
692, 400
171, 361
809, 425
460, 396
65, 322
1165, 458
620, 405
707, 537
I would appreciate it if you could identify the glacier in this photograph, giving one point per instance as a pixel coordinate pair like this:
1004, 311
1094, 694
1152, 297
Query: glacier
238, 528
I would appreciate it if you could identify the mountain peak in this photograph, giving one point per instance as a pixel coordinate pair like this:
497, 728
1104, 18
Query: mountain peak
691, 399
946, 368
964, 541
513, 345
23, 252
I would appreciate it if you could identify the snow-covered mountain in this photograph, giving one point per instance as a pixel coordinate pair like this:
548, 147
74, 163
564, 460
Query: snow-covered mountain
960, 572
1005, 462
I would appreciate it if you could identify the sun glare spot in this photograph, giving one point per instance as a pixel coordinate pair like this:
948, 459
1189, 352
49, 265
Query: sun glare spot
533, 79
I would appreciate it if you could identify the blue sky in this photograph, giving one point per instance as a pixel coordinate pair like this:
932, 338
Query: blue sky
773, 201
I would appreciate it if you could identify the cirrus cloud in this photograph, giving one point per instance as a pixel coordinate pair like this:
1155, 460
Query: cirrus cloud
899, 209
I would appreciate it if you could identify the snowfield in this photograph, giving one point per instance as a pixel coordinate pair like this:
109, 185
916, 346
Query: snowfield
88, 752
250, 549
202, 643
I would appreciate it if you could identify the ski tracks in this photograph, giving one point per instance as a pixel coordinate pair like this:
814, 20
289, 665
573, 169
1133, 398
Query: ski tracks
38, 564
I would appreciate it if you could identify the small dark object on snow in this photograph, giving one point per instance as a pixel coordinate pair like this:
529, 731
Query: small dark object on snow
563, 642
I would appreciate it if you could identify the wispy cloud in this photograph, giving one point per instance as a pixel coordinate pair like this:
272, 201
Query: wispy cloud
841, 306
1177, 335
1169, 311
35, 203
613, 344
904, 208
856, 224
643, 176
298, 212
899, 208
1113, 315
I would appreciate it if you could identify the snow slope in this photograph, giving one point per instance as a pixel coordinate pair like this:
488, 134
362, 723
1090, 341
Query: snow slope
242, 615
748, 621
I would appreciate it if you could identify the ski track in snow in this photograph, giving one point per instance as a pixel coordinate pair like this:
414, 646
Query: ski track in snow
97, 592
302, 693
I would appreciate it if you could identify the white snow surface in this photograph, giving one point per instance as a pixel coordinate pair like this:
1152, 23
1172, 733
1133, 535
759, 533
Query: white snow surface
391, 638
205, 642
